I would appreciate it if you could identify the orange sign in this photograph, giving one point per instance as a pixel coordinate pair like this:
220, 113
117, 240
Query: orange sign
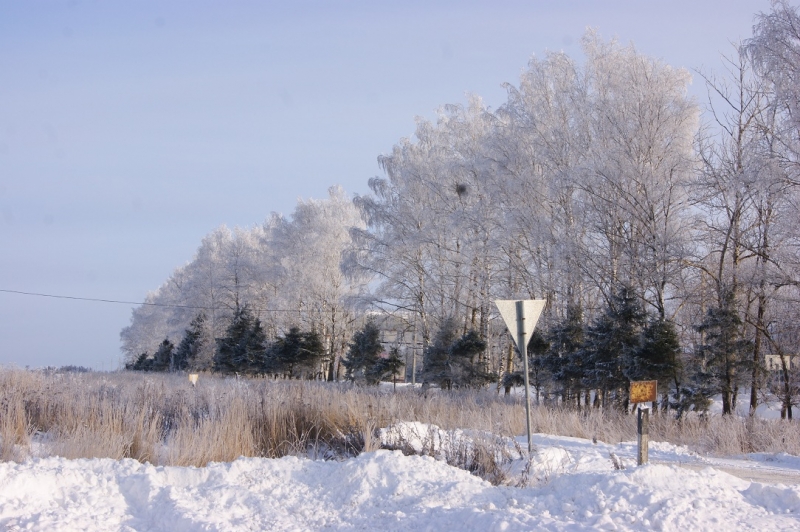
643, 391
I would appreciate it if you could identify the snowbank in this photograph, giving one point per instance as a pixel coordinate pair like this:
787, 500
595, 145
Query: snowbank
385, 490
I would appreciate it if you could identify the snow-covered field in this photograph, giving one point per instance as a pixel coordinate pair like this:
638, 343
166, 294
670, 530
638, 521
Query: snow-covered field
571, 485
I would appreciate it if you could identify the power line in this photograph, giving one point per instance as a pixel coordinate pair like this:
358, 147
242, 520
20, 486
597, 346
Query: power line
97, 300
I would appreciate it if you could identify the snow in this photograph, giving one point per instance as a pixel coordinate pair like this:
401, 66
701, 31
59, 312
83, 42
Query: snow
571, 485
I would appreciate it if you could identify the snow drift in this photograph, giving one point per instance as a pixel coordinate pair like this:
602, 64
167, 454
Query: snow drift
386, 490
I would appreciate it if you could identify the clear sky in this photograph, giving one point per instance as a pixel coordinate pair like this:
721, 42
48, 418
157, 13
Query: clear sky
129, 130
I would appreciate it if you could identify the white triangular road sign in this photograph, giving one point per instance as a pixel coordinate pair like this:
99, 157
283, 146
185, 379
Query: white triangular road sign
508, 310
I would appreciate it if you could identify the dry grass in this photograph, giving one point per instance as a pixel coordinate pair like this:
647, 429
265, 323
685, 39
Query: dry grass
162, 419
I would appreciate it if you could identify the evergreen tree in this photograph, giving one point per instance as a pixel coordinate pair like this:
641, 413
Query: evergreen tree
162, 359
256, 348
539, 365
296, 354
465, 364
564, 357
142, 363
242, 348
436, 367
724, 355
191, 344
451, 360
363, 354
538, 362
658, 357
385, 368
612, 343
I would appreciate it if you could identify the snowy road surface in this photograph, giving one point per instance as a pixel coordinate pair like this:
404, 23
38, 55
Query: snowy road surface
575, 488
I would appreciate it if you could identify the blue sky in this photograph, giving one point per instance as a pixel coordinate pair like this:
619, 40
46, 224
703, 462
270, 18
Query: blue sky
129, 130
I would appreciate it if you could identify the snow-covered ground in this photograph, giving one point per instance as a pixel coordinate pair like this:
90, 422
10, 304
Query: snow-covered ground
571, 485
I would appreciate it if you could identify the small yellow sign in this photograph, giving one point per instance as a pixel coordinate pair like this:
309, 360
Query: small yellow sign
643, 391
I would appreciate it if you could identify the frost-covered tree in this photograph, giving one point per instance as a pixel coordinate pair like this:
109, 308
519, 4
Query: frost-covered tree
775, 51
571, 189
309, 249
747, 199
285, 271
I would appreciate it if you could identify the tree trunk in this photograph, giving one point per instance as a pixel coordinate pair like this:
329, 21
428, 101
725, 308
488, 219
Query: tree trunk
509, 365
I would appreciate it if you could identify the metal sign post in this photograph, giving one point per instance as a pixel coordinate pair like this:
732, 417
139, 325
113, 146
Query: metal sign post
520, 318
643, 392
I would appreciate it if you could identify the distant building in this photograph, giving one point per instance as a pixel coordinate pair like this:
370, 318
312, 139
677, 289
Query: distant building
396, 333
773, 362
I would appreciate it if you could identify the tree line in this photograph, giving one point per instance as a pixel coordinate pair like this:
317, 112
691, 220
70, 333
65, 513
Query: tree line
665, 240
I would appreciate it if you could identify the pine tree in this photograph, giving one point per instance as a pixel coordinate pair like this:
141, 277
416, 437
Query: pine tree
658, 357
388, 367
612, 343
724, 355
564, 357
436, 364
465, 366
363, 354
162, 359
191, 344
296, 354
232, 349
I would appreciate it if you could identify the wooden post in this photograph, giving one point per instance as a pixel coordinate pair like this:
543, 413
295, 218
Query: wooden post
643, 423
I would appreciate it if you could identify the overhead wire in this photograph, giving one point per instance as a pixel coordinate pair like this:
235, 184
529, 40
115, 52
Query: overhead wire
168, 305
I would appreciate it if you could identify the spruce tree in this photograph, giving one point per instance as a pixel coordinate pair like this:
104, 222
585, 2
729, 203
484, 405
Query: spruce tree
725, 354
565, 357
162, 359
612, 343
465, 366
296, 354
539, 365
436, 364
363, 354
658, 357
232, 349
191, 344
451, 360
142, 363
386, 368
256, 348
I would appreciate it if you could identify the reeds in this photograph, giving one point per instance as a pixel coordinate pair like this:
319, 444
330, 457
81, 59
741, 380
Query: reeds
162, 419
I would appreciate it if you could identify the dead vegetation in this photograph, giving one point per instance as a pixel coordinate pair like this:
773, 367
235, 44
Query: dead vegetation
163, 419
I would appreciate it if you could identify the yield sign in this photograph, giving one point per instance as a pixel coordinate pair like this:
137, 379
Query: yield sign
521, 318
532, 309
